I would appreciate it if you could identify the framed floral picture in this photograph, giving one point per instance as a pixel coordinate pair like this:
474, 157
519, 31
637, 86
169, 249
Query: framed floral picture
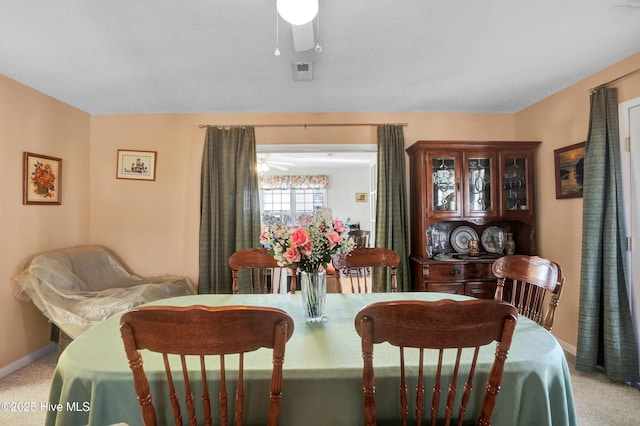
569, 165
42, 180
136, 165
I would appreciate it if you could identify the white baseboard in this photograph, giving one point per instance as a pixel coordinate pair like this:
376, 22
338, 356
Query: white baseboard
567, 347
26, 360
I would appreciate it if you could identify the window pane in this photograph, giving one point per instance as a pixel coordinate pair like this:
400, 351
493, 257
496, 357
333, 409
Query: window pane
307, 200
277, 203
288, 205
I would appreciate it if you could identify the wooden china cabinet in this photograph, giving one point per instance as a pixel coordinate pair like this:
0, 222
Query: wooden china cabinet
462, 190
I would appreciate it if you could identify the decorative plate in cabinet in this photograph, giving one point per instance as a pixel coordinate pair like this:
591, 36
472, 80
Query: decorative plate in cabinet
460, 238
494, 239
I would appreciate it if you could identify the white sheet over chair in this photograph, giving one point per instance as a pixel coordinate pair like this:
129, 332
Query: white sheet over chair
79, 287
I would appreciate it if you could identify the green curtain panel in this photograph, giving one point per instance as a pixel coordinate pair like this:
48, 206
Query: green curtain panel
229, 203
391, 207
605, 330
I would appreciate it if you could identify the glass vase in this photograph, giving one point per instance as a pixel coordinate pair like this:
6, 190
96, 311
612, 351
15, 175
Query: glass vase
314, 294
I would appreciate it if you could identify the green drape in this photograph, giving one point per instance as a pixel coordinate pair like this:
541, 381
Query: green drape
391, 207
229, 203
605, 330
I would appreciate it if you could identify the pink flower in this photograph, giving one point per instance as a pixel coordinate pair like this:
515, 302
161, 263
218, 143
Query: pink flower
334, 238
299, 237
292, 255
338, 226
305, 220
307, 249
265, 237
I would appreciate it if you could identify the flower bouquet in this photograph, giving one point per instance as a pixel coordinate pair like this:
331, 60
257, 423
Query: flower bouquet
43, 179
309, 247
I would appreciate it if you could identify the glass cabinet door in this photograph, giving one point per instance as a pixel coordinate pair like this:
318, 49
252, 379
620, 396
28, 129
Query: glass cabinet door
514, 183
444, 179
479, 195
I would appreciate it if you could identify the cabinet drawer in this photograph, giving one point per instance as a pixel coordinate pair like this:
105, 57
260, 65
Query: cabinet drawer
449, 288
454, 271
480, 290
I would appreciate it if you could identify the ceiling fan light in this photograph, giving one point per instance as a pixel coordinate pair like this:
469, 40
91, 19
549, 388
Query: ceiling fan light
297, 12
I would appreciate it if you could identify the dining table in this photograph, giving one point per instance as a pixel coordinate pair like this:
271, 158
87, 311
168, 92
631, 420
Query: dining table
93, 384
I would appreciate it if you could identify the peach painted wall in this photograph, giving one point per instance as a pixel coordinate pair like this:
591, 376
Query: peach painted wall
154, 226
33, 122
560, 120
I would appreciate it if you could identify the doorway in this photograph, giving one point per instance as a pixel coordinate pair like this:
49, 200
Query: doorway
629, 117
351, 170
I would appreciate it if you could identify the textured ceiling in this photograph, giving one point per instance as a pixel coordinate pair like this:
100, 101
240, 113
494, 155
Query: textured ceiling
170, 56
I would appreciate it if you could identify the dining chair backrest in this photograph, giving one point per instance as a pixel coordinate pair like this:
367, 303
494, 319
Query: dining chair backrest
455, 331
360, 237
260, 270
532, 284
195, 332
366, 270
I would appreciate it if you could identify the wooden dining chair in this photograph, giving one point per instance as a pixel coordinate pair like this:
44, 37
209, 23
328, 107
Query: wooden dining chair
260, 271
366, 270
195, 332
454, 330
530, 283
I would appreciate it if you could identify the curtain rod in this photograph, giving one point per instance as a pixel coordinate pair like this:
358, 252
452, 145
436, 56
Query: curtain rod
305, 125
615, 80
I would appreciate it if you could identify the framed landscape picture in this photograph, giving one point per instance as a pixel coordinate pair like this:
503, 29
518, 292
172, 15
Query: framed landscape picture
42, 179
136, 165
569, 164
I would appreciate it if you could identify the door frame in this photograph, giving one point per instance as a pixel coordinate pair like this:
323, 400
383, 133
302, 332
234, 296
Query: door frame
631, 194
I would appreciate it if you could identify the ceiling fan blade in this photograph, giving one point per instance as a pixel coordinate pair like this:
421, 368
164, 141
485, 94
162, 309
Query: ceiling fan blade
282, 163
275, 166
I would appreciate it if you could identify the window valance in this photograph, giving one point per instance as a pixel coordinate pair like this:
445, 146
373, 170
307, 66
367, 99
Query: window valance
294, 182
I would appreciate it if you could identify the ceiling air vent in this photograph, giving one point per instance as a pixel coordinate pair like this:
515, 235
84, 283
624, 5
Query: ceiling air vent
302, 71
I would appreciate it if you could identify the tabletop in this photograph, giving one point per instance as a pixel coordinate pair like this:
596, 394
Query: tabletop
322, 370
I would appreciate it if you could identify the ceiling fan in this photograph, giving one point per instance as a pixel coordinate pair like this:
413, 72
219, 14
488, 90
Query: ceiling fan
264, 163
301, 14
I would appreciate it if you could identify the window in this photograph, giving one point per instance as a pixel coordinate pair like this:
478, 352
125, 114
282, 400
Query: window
284, 198
286, 205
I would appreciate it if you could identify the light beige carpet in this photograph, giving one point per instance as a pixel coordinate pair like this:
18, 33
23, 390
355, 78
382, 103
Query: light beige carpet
26, 389
602, 402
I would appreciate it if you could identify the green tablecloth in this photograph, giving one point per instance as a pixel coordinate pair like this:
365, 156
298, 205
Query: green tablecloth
322, 371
